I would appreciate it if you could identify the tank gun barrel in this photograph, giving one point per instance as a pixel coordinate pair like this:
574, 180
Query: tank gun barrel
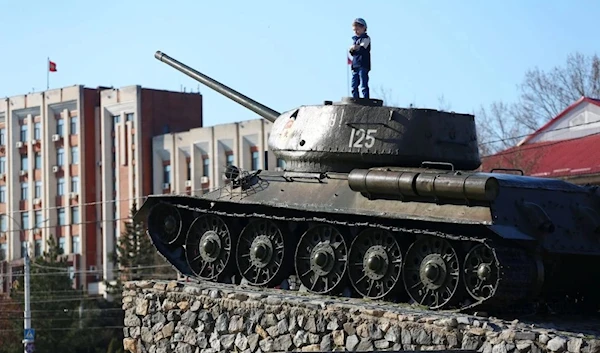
260, 109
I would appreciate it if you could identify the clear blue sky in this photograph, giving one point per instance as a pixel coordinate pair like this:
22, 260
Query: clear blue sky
289, 53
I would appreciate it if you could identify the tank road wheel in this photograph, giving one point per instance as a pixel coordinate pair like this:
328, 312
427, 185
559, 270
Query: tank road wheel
481, 272
321, 257
260, 253
431, 272
374, 263
164, 221
209, 247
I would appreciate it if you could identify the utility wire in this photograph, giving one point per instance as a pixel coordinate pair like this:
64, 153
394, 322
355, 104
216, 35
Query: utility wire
65, 328
142, 198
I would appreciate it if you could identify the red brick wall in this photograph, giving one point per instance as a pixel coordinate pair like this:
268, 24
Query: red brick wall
160, 109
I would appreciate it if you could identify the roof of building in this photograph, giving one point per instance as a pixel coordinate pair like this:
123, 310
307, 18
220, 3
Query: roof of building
562, 158
560, 116
550, 158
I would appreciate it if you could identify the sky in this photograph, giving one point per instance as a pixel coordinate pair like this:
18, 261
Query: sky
290, 53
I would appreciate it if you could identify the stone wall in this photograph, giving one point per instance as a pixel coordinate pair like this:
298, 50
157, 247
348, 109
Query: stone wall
166, 317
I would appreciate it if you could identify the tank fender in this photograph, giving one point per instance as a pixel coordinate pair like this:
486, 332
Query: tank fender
509, 232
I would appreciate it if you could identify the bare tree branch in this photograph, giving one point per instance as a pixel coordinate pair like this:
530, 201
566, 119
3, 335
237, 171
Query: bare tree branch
545, 94
498, 128
443, 105
386, 95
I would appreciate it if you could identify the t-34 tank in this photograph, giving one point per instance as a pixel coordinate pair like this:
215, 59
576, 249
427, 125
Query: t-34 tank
384, 203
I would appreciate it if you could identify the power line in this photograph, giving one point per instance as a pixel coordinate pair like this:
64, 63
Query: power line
65, 328
69, 272
142, 198
546, 131
120, 310
535, 146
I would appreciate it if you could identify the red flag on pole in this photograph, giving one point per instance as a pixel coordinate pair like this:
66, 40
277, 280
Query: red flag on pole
349, 61
51, 66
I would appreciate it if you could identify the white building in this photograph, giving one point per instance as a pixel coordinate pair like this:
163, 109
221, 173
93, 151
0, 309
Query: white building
193, 162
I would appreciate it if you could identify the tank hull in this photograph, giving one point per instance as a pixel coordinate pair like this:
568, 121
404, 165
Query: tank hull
442, 239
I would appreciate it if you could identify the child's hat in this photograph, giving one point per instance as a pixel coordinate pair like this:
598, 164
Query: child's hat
360, 21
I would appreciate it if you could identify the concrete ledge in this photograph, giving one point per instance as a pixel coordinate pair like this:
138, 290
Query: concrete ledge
163, 317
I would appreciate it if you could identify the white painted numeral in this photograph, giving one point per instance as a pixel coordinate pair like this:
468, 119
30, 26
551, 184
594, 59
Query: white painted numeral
332, 120
358, 135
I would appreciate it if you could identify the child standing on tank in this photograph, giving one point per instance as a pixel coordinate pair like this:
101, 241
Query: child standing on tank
361, 58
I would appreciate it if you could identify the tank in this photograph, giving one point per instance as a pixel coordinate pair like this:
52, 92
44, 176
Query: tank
383, 203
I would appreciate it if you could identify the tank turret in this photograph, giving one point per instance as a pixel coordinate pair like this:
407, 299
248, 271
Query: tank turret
357, 133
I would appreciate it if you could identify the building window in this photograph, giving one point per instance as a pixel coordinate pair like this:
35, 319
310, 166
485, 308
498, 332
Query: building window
3, 136
3, 223
24, 191
38, 190
60, 123
3, 194
60, 186
116, 119
3, 251
24, 162
280, 163
38, 219
61, 216
167, 174
75, 184
24, 247
38, 247
24, 133
2, 165
129, 116
189, 170
75, 215
37, 130
230, 159
60, 156
73, 126
75, 246
25, 220
61, 244
38, 160
206, 167
254, 160
75, 155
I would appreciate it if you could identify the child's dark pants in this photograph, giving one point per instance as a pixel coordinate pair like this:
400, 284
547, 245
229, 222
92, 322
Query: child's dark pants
360, 75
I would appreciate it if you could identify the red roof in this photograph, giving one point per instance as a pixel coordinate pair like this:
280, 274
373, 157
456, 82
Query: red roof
550, 158
560, 115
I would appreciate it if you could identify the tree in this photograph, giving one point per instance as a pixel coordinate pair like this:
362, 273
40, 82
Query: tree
53, 300
11, 325
135, 256
497, 128
542, 96
545, 94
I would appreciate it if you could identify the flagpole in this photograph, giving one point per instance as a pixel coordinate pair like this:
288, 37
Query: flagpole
48, 73
347, 74
348, 79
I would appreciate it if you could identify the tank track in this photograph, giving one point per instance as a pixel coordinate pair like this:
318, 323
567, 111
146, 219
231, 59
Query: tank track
509, 278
